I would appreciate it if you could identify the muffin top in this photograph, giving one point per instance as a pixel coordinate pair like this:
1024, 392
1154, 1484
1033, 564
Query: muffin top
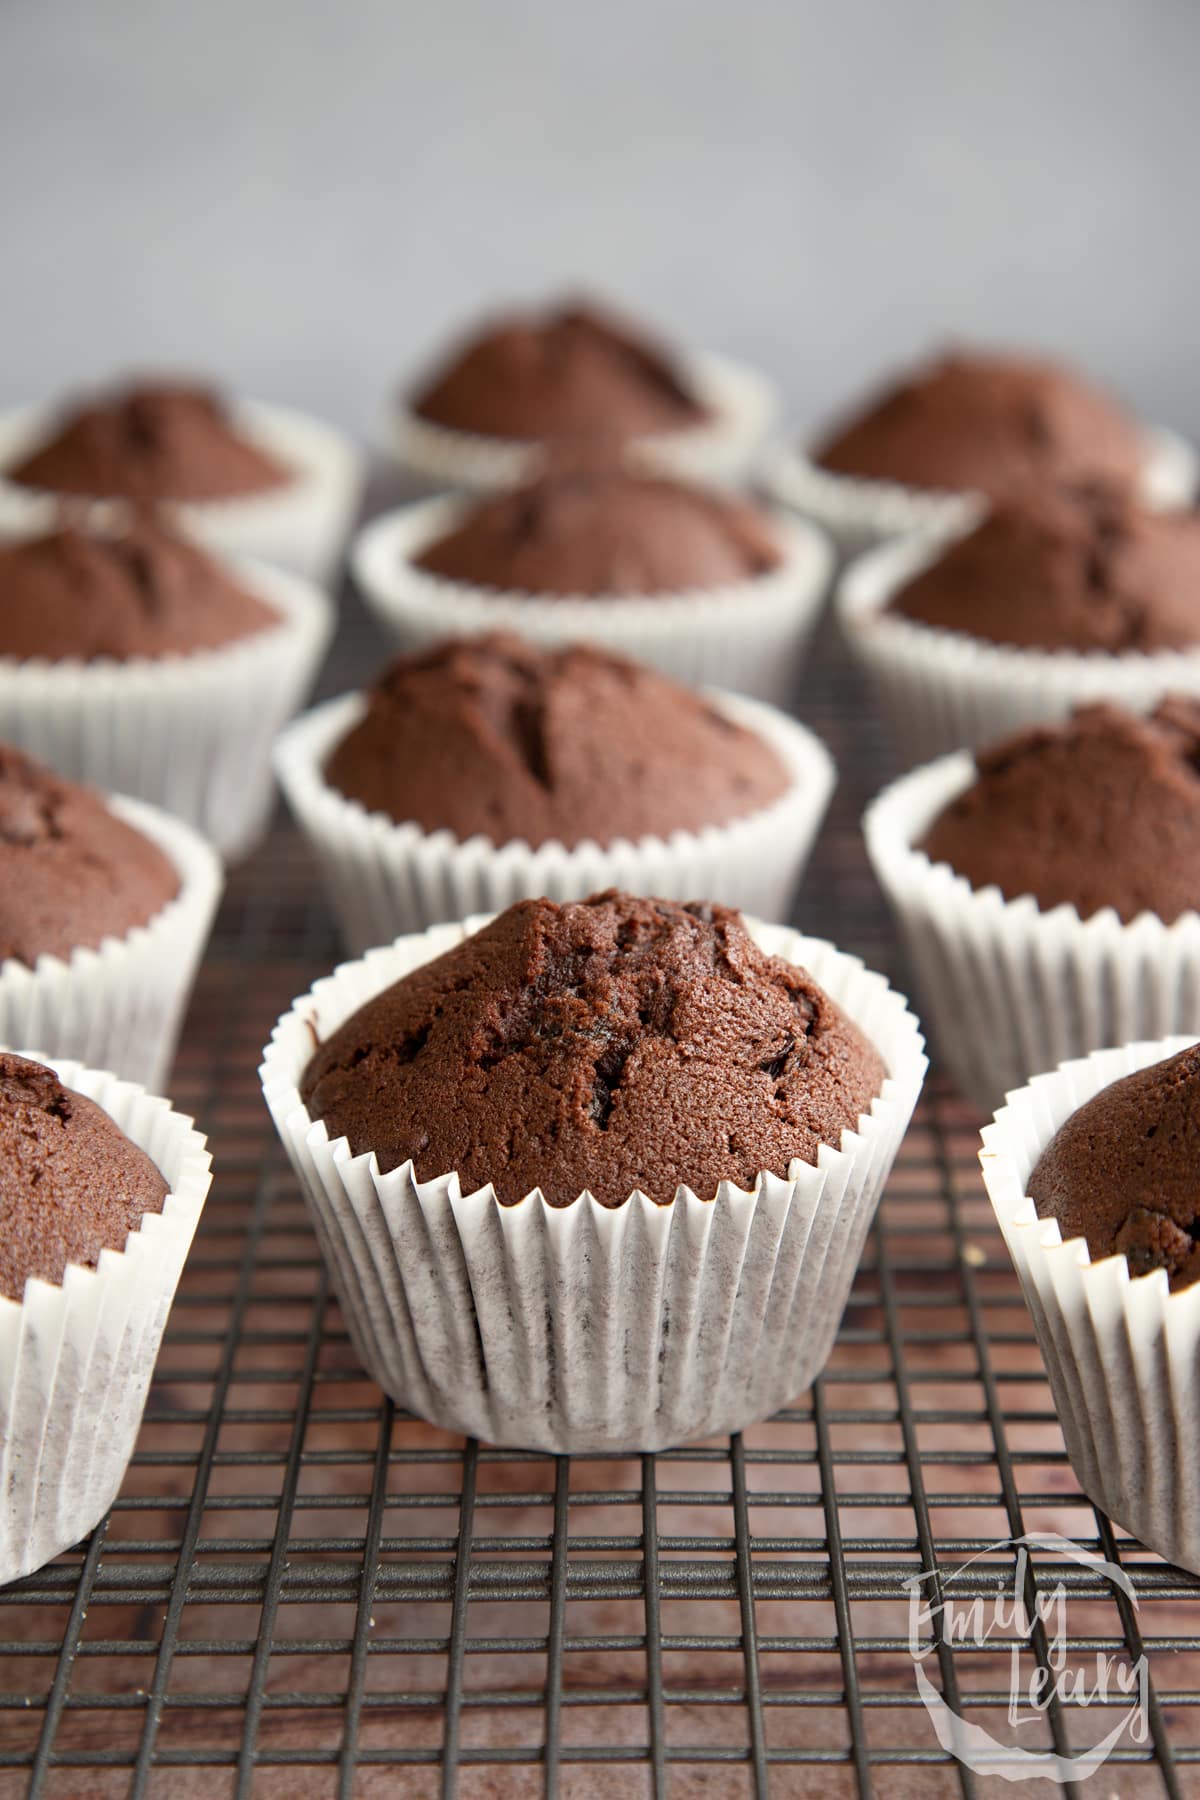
71, 872
497, 737
71, 1182
569, 371
80, 594
601, 529
986, 422
1103, 810
151, 441
1080, 569
609, 1044
1121, 1171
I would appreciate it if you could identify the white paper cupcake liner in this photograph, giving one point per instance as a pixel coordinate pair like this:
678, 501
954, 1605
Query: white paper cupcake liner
1122, 1354
190, 733
943, 690
750, 636
586, 1328
1011, 990
858, 513
120, 1006
302, 527
743, 403
76, 1359
385, 879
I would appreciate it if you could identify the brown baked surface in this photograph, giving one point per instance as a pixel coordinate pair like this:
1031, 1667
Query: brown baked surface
1103, 810
1121, 1171
1082, 570
498, 737
612, 1044
568, 371
601, 529
79, 595
71, 1182
151, 440
986, 422
71, 872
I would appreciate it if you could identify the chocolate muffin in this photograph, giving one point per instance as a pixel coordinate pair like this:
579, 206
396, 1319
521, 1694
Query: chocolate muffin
79, 595
497, 737
986, 422
1080, 570
609, 1044
71, 1182
601, 530
1121, 1172
1103, 810
151, 441
573, 371
71, 872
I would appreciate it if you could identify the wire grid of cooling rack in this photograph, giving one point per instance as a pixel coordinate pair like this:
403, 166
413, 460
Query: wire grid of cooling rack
302, 1592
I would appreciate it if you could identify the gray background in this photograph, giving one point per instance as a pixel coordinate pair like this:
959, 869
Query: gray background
303, 197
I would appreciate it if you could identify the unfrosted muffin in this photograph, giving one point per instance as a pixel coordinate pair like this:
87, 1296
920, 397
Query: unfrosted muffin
1101, 811
150, 441
607, 1045
1048, 890
1057, 569
72, 873
570, 371
80, 594
602, 529
986, 422
502, 738
1121, 1171
71, 1183
101, 1189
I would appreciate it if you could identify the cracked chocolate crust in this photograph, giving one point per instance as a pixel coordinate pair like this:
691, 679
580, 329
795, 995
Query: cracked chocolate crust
1080, 570
596, 528
1103, 810
988, 422
71, 872
1121, 1171
611, 1044
78, 595
71, 1182
496, 737
151, 441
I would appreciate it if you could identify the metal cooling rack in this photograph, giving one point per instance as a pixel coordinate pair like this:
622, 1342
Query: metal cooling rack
302, 1592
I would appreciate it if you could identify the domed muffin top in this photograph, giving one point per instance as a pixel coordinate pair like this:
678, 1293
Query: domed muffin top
498, 737
1079, 570
79, 594
150, 441
986, 422
570, 371
71, 1183
71, 872
597, 529
1121, 1171
606, 1045
1103, 810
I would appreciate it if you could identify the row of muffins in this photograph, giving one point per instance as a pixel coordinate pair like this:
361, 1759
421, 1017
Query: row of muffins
130, 657
1060, 563
506, 698
573, 372
1099, 565
601, 1050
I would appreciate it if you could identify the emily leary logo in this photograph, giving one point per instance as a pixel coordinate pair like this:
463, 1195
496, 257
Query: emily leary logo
1003, 1620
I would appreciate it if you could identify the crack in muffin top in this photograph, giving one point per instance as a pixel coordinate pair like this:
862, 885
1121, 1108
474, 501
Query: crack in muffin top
1102, 810
610, 1044
498, 737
